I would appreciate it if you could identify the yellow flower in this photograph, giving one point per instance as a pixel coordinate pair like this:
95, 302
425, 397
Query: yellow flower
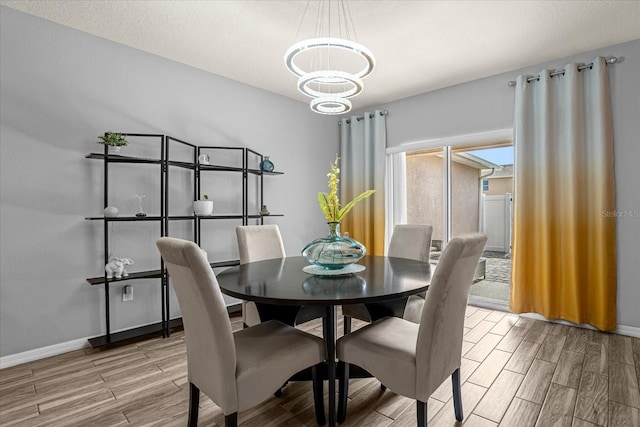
330, 203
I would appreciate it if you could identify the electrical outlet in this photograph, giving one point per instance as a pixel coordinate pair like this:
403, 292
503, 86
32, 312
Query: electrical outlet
127, 293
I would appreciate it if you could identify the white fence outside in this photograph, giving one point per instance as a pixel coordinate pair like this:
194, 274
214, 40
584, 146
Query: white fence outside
496, 218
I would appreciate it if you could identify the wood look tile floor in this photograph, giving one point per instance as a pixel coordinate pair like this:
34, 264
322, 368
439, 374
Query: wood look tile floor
515, 372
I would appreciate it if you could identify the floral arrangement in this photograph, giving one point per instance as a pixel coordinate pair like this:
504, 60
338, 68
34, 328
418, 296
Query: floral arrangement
330, 203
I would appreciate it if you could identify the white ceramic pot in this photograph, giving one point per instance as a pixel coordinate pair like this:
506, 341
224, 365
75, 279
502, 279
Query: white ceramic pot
113, 149
203, 207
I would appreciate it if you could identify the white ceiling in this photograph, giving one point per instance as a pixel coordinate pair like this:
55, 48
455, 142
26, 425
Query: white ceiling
419, 46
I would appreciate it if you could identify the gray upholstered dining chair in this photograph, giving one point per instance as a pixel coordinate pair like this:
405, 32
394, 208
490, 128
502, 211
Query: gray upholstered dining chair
237, 370
257, 243
411, 241
414, 359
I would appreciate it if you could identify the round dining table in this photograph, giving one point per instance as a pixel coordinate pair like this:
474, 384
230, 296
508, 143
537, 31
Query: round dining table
283, 291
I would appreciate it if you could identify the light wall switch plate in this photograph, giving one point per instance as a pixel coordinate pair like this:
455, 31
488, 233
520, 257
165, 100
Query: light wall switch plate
127, 293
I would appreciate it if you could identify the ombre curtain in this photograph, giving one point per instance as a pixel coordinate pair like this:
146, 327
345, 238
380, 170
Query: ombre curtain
363, 143
564, 248
396, 193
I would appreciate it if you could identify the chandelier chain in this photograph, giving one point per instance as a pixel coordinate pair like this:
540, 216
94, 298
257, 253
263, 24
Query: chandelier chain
348, 14
306, 7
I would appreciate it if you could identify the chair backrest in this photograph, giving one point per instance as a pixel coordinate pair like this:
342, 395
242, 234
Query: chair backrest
439, 345
211, 353
412, 241
259, 242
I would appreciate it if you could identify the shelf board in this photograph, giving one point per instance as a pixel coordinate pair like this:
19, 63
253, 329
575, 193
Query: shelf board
180, 217
185, 165
234, 308
117, 158
220, 216
219, 168
139, 333
175, 217
124, 218
261, 172
213, 216
151, 274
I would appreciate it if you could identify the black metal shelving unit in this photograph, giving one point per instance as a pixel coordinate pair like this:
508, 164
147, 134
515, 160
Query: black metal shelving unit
165, 162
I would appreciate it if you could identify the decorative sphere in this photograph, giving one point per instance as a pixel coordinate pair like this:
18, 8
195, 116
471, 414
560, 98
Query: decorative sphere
111, 212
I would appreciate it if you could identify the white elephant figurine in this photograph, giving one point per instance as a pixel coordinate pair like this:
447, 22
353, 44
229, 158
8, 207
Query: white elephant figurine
116, 267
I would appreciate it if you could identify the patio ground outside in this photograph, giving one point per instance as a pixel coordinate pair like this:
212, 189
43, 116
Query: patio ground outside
494, 289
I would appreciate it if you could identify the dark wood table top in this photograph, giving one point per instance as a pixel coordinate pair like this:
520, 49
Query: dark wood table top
281, 281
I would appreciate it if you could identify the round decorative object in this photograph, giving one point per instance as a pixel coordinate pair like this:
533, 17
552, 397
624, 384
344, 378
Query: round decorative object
331, 43
266, 165
203, 159
203, 207
110, 212
330, 105
264, 210
334, 251
330, 79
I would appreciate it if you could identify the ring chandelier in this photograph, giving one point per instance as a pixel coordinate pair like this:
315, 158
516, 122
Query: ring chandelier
329, 86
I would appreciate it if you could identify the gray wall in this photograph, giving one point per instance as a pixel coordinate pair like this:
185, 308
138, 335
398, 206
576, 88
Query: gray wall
487, 104
60, 89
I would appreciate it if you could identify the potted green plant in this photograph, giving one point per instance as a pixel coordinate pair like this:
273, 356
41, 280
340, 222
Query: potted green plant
113, 140
203, 206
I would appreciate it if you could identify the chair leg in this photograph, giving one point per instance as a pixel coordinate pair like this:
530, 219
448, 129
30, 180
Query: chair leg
231, 420
421, 408
457, 396
318, 396
383, 387
278, 392
347, 324
343, 391
194, 401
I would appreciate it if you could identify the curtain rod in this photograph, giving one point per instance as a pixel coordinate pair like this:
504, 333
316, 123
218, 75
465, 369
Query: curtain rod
609, 60
382, 113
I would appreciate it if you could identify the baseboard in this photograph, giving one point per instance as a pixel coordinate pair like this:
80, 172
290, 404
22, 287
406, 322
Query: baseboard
43, 352
631, 331
65, 347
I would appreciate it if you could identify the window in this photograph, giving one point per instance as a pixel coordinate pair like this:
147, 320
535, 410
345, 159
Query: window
485, 185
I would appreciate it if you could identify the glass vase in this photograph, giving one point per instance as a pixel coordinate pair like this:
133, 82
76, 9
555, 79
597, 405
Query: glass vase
266, 165
334, 251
